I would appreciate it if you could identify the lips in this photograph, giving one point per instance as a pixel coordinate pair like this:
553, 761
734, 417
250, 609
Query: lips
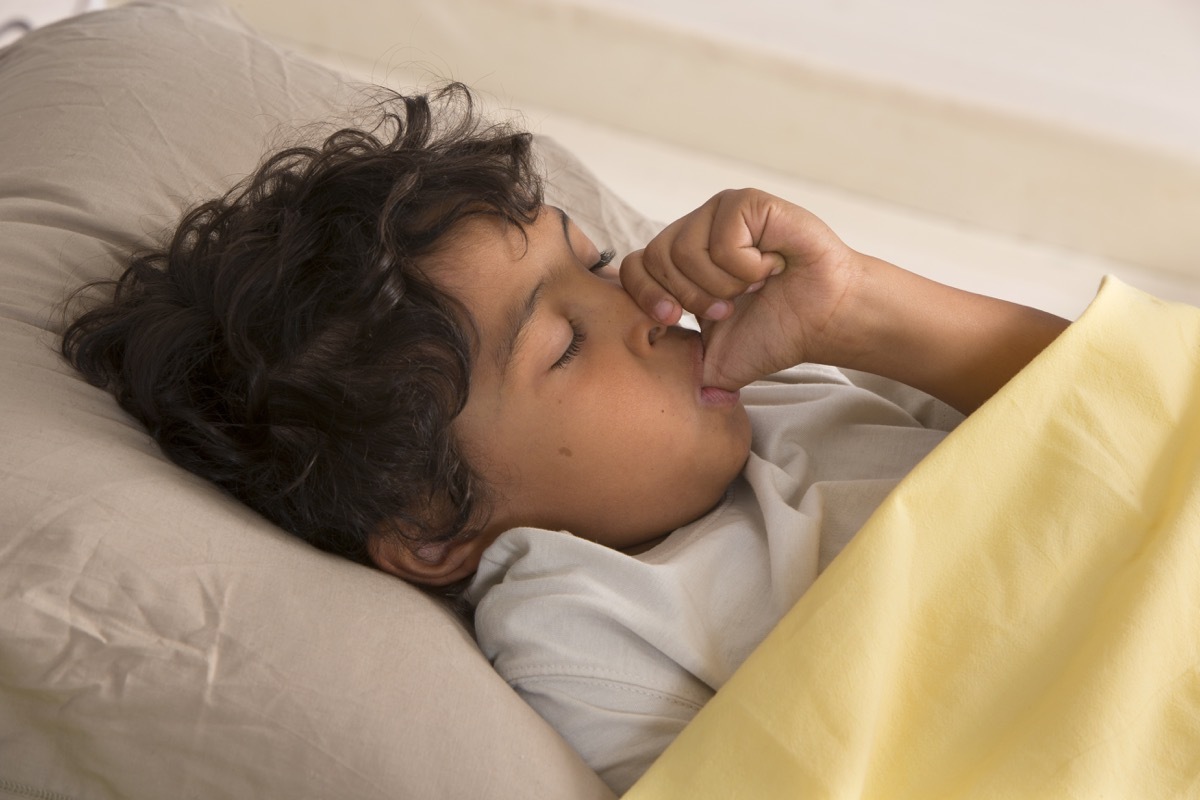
709, 396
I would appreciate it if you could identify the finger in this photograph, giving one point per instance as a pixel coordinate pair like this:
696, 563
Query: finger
690, 255
713, 373
739, 223
659, 264
693, 247
650, 296
677, 259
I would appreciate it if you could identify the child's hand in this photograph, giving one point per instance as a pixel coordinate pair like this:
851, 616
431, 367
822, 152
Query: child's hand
765, 277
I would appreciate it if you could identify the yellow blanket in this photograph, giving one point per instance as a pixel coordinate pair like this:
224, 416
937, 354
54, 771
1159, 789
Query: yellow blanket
1021, 618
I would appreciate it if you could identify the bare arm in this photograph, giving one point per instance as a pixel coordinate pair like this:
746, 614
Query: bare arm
774, 287
957, 346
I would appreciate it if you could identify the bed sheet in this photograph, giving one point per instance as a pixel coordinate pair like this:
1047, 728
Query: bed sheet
1021, 618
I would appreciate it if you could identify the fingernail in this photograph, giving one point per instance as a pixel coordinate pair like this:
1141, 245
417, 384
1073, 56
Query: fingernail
718, 310
754, 287
664, 310
777, 270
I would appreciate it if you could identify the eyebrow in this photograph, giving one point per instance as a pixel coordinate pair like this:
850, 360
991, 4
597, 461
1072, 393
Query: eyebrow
519, 317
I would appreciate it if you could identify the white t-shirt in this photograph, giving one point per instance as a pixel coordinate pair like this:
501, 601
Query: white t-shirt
618, 652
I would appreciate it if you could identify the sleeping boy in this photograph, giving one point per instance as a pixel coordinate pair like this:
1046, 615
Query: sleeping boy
389, 345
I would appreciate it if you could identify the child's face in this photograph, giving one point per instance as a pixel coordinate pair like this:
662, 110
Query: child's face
584, 413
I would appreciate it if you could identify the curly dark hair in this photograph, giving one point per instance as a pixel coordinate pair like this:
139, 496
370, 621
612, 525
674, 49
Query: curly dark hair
287, 345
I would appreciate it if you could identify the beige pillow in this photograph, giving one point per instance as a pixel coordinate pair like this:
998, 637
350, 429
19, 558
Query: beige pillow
157, 639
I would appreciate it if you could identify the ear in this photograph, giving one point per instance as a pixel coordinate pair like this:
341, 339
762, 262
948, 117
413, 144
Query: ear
427, 563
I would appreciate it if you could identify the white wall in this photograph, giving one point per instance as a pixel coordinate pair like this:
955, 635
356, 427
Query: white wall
1128, 69
1038, 119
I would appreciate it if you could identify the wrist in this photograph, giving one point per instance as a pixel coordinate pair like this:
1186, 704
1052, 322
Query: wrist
955, 345
841, 335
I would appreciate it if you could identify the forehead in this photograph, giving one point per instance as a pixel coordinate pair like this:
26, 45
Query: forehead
480, 248
482, 242
486, 258
480, 263
489, 265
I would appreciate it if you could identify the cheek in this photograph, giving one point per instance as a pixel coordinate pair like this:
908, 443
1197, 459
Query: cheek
624, 439
607, 467
624, 410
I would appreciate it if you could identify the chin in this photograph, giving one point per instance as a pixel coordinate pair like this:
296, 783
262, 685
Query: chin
711, 497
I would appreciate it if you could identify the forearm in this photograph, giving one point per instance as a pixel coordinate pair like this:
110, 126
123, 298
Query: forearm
774, 286
957, 346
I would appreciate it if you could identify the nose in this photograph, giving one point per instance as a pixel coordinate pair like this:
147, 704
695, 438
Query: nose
643, 331
639, 330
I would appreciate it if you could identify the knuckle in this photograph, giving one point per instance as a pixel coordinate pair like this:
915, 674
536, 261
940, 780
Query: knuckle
680, 252
634, 262
655, 257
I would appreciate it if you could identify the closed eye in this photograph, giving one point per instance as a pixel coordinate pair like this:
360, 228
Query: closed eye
577, 339
606, 258
577, 335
